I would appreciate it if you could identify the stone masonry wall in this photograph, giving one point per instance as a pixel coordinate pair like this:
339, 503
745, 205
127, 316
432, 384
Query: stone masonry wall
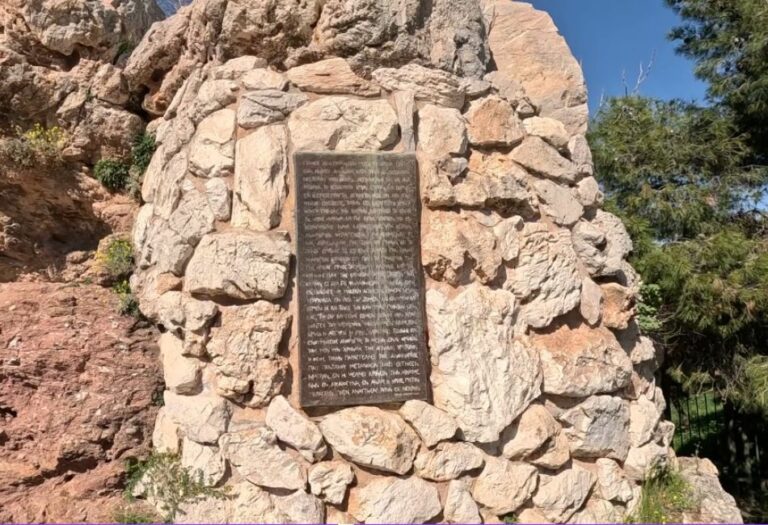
544, 399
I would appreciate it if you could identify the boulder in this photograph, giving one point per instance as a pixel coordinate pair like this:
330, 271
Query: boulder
329, 480
260, 186
371, 437
528, 433
432, 424
612, 483
598, 427
618, 305
265, 106
254, 453
504, 486
295, 429
542, 159
551, 130
428, 85
181, 374
582, 361
714, 505
332, 75
212, 150
618, 244
219, 198
492, 121
559, 496
240, 264
581, 154
394, 500
263, 78
442, 131
558, 202
644, 417
165, 436
448, 461
202, 418
343, 124
480, 374
244, 351
459, 505
203, 461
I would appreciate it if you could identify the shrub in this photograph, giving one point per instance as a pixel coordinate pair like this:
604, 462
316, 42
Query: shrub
141, 154
128, 303
162, 478
133, 514
113, 174
665, 496
34, 146
117, 258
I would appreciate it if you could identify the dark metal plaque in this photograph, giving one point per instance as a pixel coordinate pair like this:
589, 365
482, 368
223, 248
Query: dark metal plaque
361, 321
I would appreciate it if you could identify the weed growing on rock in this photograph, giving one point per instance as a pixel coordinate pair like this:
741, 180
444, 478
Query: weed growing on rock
113, 174
35, 146
134, 514
117, 258
162, 478
664, 498
128, 303
143, 147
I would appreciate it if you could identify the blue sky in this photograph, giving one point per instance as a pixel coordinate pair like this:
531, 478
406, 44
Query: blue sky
612, 36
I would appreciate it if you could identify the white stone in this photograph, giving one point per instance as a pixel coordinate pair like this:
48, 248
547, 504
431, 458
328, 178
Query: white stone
394, 500
263, 78
528, 433
503, 486
492, 121
542, 159
480, 375
549, 129
192, 218
203, 461
219, 198
448, 461
642, 462
240, 264
212, 150
559, 202
612, 482
181, 374
581, 154
643, 420
588, 192
332, 75
430, 85
371, 437
260, 187
432, 424
202, 418
582, 361
559, 496
295, 429
598, 427
265, 106
441, 131
165, 436
547, 272
256, 456
618, 243
589, 243
405, 106
591, 305
329, 480
459, 505
343, 124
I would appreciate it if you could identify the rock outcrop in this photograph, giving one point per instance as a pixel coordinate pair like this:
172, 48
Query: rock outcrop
543, 402
78, 391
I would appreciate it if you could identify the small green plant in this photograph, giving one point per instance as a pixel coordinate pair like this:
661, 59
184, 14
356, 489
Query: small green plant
648, 308
117, 258
141, 154
134, 514
125, 47
665, 496
510, 518
34, 146
128, 304
162, 478
113, 174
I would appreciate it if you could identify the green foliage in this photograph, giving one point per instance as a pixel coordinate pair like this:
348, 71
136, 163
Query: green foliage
665, 496
128, 305
38, 145
143, 148
117, 258
510, 518
161, 477
648, 308
134, 514
125, 47
728, 40
112, 173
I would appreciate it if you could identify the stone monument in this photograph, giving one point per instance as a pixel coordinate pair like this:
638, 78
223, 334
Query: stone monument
285, 276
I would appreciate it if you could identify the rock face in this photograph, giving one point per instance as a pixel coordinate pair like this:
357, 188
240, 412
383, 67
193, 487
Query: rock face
77, 383
542, 399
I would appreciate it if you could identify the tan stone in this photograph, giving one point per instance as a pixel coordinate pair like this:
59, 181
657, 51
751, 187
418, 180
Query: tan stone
503, 486
371, 437
181, 374
263, 78
429, 85
432, 424
492, 121
332, 75
203, 462
618, 305
561, 495
459, 505
260, 178
256, 456
558, 202
265, 106
591, 305
393, 500
549, 129
441, 131
448, 461
329, 480
343, 124
542, 159
612, 482
295, 429
528, 433
212, 150
480, 375
165, 436
598, 427
202, 418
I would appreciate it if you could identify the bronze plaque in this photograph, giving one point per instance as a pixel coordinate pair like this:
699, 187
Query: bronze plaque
361, 320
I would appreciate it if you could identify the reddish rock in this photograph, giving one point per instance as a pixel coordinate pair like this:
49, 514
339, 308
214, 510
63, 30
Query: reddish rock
77, 383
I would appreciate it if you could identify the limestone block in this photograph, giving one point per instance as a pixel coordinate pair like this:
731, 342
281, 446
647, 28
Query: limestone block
598, 427
181, 374
559, 202
263, 78
266, 106
202, 418
551, 130
618, 305
492, 121
448, 461
459, 505
165, 436
295, 429
429, 85
503, 486
432, 424
372, 437
394, 500
480, 375
203, 460
441, 131
219, 198
539, 157
332, 75
240, 264
560, 495
212, 150
329, 480
612, 483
